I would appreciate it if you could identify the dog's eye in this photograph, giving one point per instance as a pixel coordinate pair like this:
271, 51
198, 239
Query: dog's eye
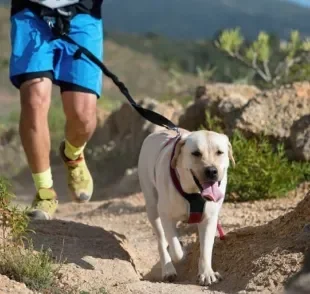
196, 153
219, 152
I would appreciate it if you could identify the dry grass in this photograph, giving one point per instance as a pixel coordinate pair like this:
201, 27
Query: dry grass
19, 261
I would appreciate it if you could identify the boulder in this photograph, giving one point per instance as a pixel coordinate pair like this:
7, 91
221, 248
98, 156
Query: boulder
274, 112
222, 100
300, 138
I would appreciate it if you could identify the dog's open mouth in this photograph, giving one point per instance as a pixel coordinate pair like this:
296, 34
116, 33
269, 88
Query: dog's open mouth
209, 190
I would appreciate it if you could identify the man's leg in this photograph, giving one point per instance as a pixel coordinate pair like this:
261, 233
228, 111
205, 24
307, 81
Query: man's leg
80, 111
35, 98
31, 71
80, 81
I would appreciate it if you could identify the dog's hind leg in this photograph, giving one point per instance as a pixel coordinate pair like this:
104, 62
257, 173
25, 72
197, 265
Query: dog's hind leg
175, 247
168, 271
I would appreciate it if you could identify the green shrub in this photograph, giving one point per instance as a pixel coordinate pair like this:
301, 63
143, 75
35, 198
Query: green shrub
262, 170
13, 222
213, 123
35, 269
22, 264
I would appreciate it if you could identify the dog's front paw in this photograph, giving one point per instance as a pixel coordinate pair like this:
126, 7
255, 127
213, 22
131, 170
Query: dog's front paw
169, 274
208, 277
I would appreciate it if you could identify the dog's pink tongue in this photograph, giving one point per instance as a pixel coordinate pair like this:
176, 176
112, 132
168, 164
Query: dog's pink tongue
212, 191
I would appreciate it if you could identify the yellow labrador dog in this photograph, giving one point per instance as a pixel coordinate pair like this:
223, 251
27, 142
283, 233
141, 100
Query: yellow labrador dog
181, 178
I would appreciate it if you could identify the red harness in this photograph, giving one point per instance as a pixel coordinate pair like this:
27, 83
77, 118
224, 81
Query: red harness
196, 201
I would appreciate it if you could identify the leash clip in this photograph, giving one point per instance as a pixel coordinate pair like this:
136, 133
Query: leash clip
176, 129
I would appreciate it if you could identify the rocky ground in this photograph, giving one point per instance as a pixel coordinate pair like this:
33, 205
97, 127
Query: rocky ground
110, 244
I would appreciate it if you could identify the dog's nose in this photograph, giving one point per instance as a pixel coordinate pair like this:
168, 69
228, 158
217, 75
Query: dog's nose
211, 173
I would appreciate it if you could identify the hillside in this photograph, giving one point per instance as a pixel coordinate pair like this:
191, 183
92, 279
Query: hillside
203, 18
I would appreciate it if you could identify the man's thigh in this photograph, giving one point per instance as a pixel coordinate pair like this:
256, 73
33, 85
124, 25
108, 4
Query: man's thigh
32, 52
81, 75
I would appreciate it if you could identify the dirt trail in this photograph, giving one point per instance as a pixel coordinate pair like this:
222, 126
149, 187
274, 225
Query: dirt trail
110, 244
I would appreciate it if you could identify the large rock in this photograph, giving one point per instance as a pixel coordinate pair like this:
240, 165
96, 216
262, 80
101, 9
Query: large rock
274, 112
300, 138
115, 146
222, 100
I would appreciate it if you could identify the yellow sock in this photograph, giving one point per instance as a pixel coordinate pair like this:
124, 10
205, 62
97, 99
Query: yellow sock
73, 152
43, 180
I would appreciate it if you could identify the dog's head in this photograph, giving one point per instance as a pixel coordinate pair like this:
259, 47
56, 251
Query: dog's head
206, 155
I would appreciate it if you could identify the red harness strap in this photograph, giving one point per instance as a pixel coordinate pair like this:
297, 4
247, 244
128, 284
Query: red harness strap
196, 201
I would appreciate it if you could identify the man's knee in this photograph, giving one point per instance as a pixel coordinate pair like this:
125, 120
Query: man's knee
35, 95
83, 121
80, 111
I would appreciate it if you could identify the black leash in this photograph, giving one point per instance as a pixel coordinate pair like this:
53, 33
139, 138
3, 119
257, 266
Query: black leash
148, 114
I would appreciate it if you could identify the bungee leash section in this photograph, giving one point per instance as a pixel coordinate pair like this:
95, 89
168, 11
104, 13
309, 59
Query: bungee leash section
148, 114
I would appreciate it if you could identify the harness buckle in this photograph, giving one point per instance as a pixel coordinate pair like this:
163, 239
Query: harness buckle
50, 21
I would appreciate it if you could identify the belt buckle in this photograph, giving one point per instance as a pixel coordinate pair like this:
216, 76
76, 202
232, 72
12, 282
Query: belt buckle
50, 21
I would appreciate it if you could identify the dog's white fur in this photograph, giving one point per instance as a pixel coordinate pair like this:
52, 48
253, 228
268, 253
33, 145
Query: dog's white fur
165, 206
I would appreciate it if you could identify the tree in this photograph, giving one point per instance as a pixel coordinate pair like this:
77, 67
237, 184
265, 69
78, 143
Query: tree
273, 62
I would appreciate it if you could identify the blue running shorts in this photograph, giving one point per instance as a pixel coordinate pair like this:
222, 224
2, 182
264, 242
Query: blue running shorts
35, 54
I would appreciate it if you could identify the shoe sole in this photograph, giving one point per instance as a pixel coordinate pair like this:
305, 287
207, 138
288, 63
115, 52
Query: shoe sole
84, 198
39, 215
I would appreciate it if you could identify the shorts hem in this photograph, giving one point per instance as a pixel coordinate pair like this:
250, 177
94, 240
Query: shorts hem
73, 87
19, 79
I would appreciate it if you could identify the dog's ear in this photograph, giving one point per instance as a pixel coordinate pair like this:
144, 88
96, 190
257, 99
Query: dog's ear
230, 154
177, 151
